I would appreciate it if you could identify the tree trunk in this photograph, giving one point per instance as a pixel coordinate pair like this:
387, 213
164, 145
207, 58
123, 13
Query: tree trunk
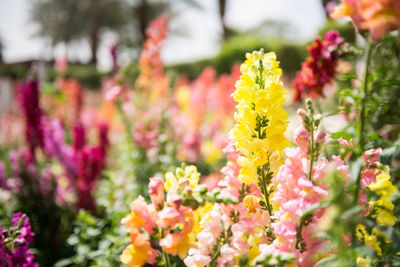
222, 8
94, 30
142, 18
94, 45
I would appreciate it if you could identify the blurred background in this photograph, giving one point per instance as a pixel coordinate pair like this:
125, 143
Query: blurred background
88, 40
44, 30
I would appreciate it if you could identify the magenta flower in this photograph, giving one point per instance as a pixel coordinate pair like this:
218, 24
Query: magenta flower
31, 108
14, 246
79, 136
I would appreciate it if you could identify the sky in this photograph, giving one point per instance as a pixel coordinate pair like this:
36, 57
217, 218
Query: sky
201, 27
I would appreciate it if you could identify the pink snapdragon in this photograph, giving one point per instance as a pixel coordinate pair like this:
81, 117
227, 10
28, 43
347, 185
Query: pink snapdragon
295, 195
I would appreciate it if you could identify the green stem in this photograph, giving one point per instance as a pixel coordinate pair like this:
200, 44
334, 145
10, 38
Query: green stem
364, 96
264, 188
218, 248
311, 150
164, 254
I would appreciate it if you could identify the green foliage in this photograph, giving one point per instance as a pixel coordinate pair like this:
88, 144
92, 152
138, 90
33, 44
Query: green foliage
280, 260
384, 101
234, 50
129, 73
99, 240
50, 221
87, 75
14, 71
191, 69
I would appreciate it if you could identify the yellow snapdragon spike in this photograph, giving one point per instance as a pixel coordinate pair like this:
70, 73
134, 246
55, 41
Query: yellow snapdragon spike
260, 119
369, 239
383, 207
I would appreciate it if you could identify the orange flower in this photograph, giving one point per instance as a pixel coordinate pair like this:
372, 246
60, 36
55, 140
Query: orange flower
138, 252
377, 16
141, 216
179, 243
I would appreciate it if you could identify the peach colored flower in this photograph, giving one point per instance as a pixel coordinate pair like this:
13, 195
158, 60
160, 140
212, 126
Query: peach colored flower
169, 217
138, 252
377, 16
178, 243
141, 216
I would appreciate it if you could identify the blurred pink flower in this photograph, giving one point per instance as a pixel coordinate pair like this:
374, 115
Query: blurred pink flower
61, 64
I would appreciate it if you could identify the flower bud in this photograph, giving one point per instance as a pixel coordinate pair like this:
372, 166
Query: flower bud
302, 138
156, 191
302, 113
317, 119
320, 137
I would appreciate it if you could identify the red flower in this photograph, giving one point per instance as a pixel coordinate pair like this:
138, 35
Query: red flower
319, 68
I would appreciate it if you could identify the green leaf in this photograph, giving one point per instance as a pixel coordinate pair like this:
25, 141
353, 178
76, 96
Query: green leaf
341, 134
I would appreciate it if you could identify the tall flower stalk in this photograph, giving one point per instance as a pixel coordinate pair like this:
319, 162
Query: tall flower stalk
364, 98
261, 122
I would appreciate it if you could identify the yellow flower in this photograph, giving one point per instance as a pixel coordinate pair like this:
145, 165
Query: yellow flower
138, 252
382, 209
183, 98
385, 217
211, 152
260, 119
170, 181
133, 257
363, 262
189, 172
371, 240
